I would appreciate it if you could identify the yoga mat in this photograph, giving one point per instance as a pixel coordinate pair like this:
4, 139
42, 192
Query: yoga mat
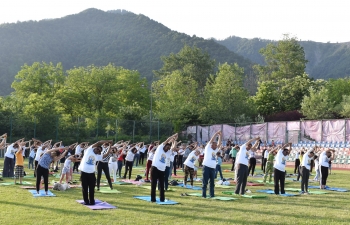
31, 176
121, 183
330, 188
254, 184
12, 183
27, 187
262, 182
254, 196
42, 193
188, 186
223, 198
272, 192
148, 199
194, 194
109, 191
132, 182
98, 205
7, 183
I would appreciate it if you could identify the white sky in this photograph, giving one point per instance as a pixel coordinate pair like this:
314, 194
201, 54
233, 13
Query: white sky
317, 20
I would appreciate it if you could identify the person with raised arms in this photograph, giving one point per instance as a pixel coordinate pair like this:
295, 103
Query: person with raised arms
209, 164
305, 170
44, 163
158, 168
325, 158
9, 161
103, 165
280, 168
151, 152
41, 148
189, 165
87, 167
242, 165
269, 158
78, 151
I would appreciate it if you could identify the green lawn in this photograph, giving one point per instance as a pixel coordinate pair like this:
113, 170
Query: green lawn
19, 207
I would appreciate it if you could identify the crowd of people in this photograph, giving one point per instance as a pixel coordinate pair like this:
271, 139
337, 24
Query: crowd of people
162, 161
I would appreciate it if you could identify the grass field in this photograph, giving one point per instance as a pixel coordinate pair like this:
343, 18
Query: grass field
19, 207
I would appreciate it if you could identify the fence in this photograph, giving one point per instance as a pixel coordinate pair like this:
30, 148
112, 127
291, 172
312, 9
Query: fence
334, 131
78, 129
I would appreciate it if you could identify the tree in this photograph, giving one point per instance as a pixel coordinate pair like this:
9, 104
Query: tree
176, 99
317, 105
190, 62
226, 97
104, 91
344, 107
286, 59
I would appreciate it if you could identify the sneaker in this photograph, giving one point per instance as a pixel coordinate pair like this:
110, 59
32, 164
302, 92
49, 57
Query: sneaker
248, 191
306, 193
302, 192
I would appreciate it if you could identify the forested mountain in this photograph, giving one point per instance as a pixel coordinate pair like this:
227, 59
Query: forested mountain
326, 60
97, 37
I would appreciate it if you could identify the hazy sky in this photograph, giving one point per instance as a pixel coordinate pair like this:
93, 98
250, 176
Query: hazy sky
317, 20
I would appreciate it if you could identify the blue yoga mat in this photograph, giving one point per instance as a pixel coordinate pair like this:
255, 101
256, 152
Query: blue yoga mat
330, 188
269, 191
188, 186
148, 199
42, 193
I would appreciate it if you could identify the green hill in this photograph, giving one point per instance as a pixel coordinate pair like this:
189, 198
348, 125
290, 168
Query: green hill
97, 37
326, 60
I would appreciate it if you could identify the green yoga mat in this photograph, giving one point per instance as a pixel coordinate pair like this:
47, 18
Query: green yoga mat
121, 183
195, 194
216, 198
12, 183
30, 176
254, 196
262, 182
109, 191
311, 192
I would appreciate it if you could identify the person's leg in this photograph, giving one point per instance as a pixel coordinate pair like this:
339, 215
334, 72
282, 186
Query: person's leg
270, 173
267, 170
191, 172
299, 173
187, 172
245, 177
112, 171
233, 163
253, 166
92, 183
212, 180
205, 181
307, 180
85, 187
120, 166
38, 178
148, 167
99, 173
162, 175
250, 165
303, 176
166, 178
282, 180
174, 165
126, 169
154, 176
130, 169
325, 175
262, 164
276, 179
36, 166
216, 171
220, 171
295, 166
11, 168
5, 170
183, 161
170, 169
106, 171
239, 179
46, 179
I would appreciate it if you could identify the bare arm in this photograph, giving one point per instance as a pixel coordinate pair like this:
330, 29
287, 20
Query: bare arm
101, 143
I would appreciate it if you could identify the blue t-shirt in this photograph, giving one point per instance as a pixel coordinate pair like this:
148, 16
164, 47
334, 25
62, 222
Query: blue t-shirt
45, 161
219, 161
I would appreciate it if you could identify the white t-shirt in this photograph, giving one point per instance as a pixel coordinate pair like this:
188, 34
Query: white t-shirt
143, 149
324, 160
39, 151
172, 156
168, 155
89, 160
150, 156
210, 156
67, 163
159, 159
243, 156
307, 160
113, 159
251, 154
281, 160
181, 152
191, 159
266, 154
297, 155
316, 164
130, 156
78, 150
10, 152
138, 149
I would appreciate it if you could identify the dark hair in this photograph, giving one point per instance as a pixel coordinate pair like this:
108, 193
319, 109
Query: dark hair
167, 144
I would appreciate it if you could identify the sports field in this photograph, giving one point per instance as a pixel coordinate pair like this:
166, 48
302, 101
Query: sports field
18, 206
